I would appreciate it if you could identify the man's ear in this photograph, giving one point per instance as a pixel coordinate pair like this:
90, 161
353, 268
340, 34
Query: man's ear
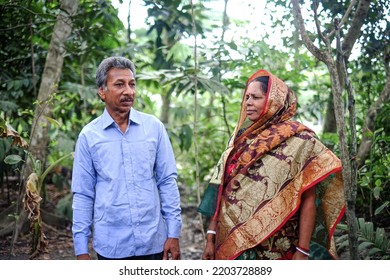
101, 93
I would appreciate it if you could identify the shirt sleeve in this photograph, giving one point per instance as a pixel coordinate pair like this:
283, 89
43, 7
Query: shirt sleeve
166, 176
83, 186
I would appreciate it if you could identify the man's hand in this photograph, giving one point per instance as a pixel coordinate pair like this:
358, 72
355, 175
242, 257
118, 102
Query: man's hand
171, 249
84, 257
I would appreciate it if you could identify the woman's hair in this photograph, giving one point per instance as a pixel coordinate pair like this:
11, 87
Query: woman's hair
109, 63
263, 80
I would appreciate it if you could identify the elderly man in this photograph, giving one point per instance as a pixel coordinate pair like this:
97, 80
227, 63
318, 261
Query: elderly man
124, 177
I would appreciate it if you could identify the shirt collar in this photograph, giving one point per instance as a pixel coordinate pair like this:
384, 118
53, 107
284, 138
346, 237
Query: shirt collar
135, 116
107, 120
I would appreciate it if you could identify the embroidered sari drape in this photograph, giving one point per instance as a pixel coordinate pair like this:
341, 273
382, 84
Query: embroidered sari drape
258, 183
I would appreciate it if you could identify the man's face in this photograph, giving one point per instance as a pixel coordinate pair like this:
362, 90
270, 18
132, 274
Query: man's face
119, 95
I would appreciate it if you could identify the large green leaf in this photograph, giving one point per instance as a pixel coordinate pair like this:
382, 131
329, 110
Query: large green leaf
12, 159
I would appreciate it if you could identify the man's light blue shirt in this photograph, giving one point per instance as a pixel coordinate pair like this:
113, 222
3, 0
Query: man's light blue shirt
124, 187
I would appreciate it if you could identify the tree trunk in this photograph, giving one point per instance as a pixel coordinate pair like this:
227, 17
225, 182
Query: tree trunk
166, 104
128, 23
326, 57
347, 45
345, 160
330, 119
225, 27
49, 81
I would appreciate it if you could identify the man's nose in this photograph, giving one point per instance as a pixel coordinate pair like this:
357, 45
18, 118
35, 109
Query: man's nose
129, 89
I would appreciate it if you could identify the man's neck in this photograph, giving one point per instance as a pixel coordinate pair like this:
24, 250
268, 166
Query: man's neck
121, 119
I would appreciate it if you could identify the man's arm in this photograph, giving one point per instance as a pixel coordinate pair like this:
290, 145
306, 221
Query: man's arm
83, 182
166, 175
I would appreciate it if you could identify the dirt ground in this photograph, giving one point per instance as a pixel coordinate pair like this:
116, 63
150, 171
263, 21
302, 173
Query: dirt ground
60, 246
60, 243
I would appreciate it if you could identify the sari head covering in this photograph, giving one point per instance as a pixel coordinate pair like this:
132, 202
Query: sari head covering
259, 180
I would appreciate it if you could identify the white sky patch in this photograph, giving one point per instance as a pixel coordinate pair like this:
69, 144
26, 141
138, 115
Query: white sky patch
137, 17
249, 10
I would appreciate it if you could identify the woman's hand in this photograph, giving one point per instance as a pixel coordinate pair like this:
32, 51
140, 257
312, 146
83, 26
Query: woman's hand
299, 256
306, 222
209, 251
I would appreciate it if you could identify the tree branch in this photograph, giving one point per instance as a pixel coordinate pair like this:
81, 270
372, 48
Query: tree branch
225, 24
315, 8
355, 28
305, 38
344, 19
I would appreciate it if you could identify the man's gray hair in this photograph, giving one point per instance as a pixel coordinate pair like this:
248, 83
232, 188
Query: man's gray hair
109, 63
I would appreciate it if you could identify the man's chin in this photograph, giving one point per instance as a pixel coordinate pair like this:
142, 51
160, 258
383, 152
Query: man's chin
124, 109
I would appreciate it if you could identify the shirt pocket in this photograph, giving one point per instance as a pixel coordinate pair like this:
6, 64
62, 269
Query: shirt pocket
143, 157
108, 161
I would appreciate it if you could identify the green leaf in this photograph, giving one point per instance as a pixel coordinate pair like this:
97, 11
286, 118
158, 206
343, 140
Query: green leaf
51, 166
376, 192
381, 241
64, 207
364, 245
12, 159
185, 137
3, 126
382, 207
53, 121
373, 251
342, 227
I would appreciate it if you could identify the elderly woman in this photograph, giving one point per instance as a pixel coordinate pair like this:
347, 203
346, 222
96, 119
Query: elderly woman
277, 190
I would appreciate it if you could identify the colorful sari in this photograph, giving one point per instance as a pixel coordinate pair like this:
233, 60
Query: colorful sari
256, 189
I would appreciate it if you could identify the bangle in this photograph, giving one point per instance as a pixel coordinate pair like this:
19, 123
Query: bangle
211, 232
306, 253
304, 248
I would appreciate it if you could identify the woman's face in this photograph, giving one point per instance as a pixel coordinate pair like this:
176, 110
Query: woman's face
255, 101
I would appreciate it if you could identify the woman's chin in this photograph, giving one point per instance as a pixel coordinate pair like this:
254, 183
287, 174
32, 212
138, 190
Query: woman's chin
252, 118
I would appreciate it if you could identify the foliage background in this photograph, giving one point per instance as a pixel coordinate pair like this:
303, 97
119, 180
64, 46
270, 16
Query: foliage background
229, 49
